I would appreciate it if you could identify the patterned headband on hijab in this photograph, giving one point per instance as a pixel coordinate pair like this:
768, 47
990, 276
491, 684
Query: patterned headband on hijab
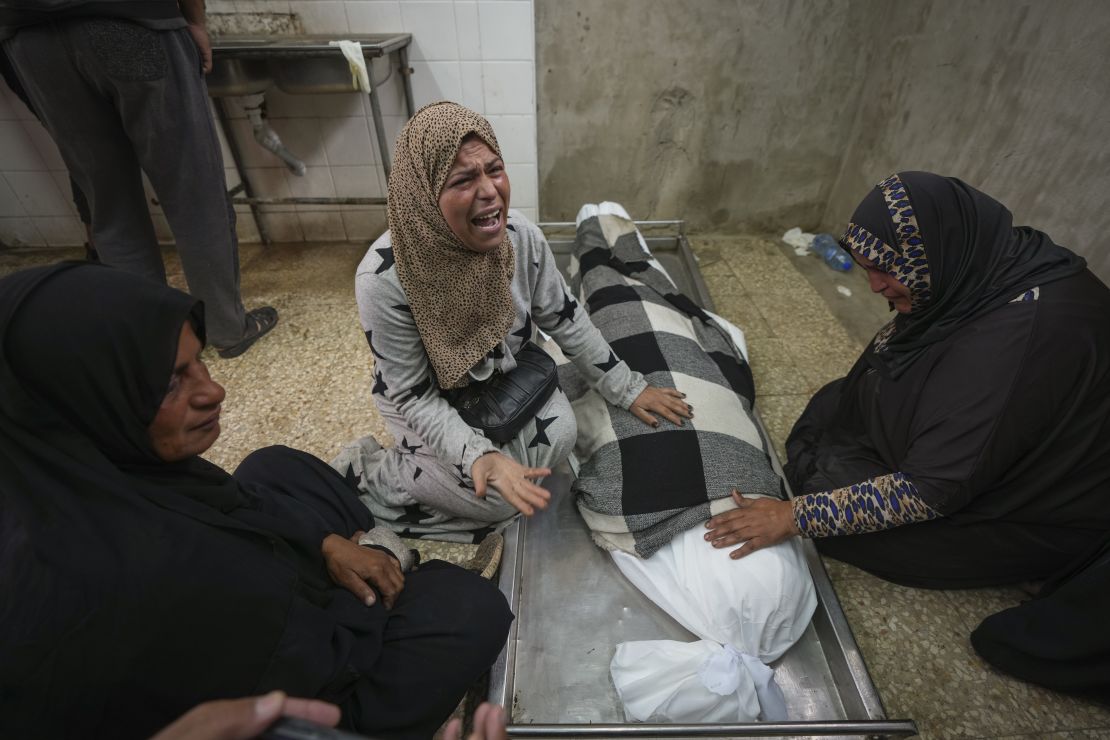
460, 299
906, 260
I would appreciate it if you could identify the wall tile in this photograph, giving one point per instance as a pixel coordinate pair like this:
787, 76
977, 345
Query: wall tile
517, 137
506, 31
530, 213
17, 151
321, 16
268, 182
16, 107
357, 182
246, 230
162, 230
301, 136
522, 177
393, 126
432, 81
468, 31
20, 232
61, 231
470, 75
391, 91
347, 140
337, 105
373, 16
7, 110
326, 226
65, 187
10, 205
432, 25
365, 225
315, 183
39, 194
509, 87
283, 227
231, 177
44, 144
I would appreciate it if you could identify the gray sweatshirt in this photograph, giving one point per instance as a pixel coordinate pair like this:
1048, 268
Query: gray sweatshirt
404, 389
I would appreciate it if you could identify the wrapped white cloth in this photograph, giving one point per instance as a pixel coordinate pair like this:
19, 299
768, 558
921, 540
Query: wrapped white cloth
748, 612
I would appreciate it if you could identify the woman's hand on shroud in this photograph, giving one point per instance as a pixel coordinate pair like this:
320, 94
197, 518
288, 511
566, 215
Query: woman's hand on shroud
667, 402
757, 522
512, 480
352, 566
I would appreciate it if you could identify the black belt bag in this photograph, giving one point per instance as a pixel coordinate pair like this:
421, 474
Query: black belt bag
503, 403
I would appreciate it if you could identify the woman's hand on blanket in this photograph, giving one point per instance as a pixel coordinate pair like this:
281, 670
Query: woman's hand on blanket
356, 568
512, 480
757, 522
667, 402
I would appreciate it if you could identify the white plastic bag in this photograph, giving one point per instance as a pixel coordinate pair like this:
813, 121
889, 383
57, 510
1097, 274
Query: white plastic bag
748, 612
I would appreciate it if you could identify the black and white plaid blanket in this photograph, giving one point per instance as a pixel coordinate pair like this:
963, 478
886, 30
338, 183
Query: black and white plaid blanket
640, 486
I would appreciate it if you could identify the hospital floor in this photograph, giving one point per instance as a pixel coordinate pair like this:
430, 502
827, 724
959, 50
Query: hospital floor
307, 386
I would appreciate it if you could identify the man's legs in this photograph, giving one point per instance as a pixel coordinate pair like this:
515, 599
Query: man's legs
86, 128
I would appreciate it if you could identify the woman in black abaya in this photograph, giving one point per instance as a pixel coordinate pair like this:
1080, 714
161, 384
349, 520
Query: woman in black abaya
970, 443
140, 580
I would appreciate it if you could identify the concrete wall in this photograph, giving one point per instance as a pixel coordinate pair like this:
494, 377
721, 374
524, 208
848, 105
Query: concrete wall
764, 114
1012, 97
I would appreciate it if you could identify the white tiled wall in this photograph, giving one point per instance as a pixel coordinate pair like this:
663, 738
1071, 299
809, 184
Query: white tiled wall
478, 52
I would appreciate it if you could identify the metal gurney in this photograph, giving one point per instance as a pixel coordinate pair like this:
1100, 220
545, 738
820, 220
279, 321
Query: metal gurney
573, 606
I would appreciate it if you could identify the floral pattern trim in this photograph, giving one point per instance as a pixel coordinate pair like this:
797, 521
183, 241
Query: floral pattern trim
872, 505
906, 261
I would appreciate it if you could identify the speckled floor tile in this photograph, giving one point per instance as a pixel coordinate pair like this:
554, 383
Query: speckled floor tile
823, 358
775, 370
779, 414
839, 571
795, 316
723, 285
741, 310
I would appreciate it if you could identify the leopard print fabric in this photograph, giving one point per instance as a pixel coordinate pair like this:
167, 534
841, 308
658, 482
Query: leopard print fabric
876, 504
906, 261
461, 300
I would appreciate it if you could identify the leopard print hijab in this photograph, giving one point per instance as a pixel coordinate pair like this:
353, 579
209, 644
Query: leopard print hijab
461, 300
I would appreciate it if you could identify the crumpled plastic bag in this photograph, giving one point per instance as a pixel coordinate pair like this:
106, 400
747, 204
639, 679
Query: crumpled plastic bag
799, 239
748, 612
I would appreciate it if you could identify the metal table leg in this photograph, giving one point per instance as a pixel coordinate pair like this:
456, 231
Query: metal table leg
406, 79
379, 128
237, 158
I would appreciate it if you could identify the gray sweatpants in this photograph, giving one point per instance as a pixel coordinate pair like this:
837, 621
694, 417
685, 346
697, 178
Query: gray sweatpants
410, 490
118, 97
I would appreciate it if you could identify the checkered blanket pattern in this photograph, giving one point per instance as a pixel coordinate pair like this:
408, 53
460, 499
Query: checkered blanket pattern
639, 486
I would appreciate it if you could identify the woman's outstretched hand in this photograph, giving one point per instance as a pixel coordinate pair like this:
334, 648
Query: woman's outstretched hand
757, 522
667, 402
512, 480
356, 568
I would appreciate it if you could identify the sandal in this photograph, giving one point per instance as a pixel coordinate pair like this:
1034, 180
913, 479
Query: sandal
487, 558
259, 322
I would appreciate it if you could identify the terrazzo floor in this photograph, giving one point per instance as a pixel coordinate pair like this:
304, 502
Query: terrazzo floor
307, 386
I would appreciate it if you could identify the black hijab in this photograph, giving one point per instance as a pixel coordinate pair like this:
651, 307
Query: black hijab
958, 252
124, 576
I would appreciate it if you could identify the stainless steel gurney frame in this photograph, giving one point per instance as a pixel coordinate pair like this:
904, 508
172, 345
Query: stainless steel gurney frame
573, 606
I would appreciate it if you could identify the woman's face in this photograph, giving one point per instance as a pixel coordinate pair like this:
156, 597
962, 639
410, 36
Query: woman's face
475, 196
188, 421
886, 284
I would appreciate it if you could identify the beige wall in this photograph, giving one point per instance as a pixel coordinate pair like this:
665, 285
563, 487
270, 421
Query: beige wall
766, 114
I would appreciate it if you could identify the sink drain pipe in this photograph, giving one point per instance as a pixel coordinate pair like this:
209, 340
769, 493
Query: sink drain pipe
266, 137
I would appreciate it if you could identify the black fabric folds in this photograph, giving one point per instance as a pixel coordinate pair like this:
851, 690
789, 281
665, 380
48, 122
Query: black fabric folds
977, 260
134, 589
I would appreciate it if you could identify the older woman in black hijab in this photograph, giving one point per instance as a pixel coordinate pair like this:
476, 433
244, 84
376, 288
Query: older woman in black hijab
139, 579
970, 443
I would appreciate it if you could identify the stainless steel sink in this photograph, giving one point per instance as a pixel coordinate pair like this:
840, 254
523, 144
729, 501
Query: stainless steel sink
244, 65
235, 76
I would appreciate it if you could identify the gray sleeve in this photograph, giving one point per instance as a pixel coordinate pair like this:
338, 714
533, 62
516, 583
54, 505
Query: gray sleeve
557, 313
402, 373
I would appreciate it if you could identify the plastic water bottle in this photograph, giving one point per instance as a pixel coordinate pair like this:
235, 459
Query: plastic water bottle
827, 249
